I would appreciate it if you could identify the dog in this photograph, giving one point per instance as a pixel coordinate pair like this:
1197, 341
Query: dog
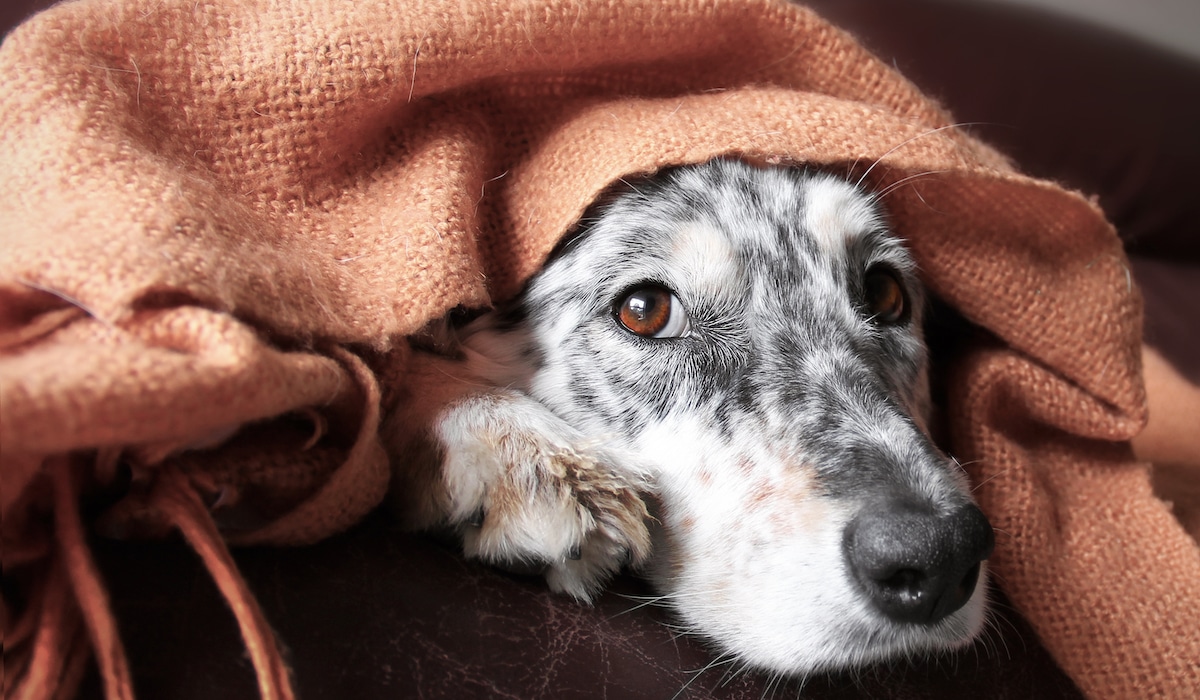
720, 380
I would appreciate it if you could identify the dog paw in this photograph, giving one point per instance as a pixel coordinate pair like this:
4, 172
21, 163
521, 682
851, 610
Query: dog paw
527, 493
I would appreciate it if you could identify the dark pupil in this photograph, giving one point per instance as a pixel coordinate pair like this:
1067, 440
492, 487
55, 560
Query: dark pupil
877, 289
883, 295
642, 305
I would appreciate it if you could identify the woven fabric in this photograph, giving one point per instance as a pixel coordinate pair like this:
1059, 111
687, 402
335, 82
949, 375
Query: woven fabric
220, 213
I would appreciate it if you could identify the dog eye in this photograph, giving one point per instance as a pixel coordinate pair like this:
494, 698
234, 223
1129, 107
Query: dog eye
885, 296
652, 311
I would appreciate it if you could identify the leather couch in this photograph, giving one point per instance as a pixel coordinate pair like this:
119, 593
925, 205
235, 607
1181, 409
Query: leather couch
377, 613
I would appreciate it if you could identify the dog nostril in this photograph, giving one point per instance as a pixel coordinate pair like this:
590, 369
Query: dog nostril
915, 566
967, 585
905, 583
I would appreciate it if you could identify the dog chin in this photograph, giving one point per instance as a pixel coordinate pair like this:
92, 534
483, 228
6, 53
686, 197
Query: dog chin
882, 640
780, 618
852, 642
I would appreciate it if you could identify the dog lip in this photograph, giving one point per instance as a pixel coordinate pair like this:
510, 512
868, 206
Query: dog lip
765, 428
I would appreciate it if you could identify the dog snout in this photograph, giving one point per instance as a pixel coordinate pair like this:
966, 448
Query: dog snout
914, 565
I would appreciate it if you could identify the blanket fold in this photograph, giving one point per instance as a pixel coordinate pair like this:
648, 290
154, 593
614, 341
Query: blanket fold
219, 220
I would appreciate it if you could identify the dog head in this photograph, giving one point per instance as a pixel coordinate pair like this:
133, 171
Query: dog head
752, 338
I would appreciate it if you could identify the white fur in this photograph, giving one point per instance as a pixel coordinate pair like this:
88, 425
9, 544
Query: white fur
738, 434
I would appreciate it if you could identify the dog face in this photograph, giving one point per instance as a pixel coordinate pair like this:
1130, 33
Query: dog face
750, 340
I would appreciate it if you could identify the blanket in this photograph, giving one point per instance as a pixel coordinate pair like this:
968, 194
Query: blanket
220, 220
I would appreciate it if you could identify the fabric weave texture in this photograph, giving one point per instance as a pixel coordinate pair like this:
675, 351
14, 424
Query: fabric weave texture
229, 214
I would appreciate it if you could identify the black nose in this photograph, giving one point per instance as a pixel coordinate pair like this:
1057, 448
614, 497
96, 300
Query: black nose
914, 565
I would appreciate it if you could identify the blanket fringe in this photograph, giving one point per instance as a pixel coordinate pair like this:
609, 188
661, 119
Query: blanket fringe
69, 616
58, 644
179, 502
85, 580
56, 614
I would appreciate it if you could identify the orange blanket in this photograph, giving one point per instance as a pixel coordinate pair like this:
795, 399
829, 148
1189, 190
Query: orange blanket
217, 213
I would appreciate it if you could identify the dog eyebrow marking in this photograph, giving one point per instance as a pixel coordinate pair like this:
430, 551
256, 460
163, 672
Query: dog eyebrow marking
835, 213
769, 469
706, 259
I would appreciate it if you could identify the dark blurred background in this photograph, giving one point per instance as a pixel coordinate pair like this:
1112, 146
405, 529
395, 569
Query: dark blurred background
1101, 95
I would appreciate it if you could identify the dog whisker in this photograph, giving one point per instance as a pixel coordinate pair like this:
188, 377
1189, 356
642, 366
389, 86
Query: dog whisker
629, 184
658, 601
721, 659
1001, 531
902, 144
976, 486
907, 180
718, 379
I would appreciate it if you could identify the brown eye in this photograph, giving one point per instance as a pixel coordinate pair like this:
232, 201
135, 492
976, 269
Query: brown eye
885, 296
652, 311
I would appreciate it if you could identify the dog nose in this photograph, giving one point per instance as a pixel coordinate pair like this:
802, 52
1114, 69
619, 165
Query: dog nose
914, 565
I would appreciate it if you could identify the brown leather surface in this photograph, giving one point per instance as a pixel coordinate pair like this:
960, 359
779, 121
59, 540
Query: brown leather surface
377, 613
